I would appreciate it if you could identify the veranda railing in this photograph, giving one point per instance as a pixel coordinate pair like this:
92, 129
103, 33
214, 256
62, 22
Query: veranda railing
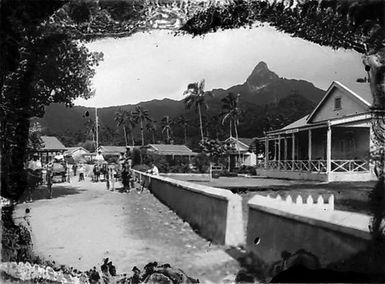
319, 166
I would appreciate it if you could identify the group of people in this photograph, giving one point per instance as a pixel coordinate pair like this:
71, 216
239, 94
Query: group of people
101, 171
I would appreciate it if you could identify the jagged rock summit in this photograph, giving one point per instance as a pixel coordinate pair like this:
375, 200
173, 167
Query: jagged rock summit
260, 77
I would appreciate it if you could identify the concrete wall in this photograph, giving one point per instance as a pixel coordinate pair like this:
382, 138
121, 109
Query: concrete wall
216, 213
285, 225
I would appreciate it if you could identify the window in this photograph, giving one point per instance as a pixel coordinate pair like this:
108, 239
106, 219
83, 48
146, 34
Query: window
337, 103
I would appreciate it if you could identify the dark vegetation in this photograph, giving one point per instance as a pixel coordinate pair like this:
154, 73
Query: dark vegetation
337, 23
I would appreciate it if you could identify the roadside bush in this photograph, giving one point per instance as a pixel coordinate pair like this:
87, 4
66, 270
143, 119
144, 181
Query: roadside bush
226, 173
141, 168
135, 157
250, 170
202, 163
162, 164
181, 168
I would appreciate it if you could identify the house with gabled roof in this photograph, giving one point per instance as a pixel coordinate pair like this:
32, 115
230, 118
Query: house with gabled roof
169, 150
75, 153
50, 148
242, 155
332, 143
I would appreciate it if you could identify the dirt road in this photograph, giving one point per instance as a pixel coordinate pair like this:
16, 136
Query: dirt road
85, 223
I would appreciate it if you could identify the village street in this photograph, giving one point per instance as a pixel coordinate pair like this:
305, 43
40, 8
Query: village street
85, 223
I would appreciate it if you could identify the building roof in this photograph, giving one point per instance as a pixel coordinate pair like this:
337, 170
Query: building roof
170, 149
71, 150
114, 149
360, 91
296, 124
245, 141
51, 143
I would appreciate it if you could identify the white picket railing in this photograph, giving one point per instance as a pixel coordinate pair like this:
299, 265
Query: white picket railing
321, 202
349, 166
319, 166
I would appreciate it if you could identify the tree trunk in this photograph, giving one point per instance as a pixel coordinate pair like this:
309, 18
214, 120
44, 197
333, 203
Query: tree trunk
125, 135
236, 136
200, 121
185, 134
132, 137
141, 131
153, 137
231, 134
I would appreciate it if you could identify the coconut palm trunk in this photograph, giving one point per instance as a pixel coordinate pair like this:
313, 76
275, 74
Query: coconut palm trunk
185, 134
200, 122
141, 131
125, 135
236, 136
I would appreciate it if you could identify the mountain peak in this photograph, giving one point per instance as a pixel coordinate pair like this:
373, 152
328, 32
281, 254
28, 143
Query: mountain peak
260, 77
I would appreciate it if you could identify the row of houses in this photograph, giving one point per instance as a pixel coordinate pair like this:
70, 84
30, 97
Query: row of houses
53, 147
332, 143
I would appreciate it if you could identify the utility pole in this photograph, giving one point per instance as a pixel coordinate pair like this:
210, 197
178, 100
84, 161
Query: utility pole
96, 128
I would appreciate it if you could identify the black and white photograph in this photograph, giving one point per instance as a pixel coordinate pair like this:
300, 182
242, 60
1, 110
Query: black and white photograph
192, 141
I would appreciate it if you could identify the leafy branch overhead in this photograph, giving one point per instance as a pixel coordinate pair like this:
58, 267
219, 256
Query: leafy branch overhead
336, 23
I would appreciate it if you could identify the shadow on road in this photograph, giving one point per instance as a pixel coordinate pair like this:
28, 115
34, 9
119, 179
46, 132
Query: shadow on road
58, 190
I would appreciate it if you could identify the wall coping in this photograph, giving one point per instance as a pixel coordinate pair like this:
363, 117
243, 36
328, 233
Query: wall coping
204, 189
350, 223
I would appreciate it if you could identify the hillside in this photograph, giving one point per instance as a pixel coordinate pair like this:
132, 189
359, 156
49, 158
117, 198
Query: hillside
267, 101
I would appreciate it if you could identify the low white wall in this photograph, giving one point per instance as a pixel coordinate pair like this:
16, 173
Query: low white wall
291, 225
292, 175
358, 176
215, 212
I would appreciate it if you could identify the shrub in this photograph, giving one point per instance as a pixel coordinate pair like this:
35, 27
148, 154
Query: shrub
251, 170
141, 168
202, 162
135, 156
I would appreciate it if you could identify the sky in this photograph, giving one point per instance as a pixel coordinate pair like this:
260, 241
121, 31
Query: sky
158, 64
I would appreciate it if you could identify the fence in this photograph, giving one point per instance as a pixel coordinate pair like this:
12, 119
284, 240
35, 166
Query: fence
319, 166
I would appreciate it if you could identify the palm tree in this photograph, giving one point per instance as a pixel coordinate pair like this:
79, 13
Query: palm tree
90, 128
141, 115
166, 127
151, 127
131, 124
231, 112
121, 120
196, 97
182, 121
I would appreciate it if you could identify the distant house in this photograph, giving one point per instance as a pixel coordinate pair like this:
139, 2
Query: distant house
169, 150
243, 154
113, 152
333, 143
51, 147
76, 153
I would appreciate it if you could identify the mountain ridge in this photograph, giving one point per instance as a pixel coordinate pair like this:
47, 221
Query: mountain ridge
262, 91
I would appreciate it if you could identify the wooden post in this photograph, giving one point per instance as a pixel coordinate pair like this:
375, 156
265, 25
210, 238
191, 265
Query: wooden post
328, 149
285, 140
275, 149
309, 145
266, 151
279, 151
292, 151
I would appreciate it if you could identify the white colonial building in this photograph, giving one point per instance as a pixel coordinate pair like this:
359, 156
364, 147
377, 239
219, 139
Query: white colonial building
333, 143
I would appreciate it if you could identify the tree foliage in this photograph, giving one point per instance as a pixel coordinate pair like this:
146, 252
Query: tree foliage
42, 64
196, 97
